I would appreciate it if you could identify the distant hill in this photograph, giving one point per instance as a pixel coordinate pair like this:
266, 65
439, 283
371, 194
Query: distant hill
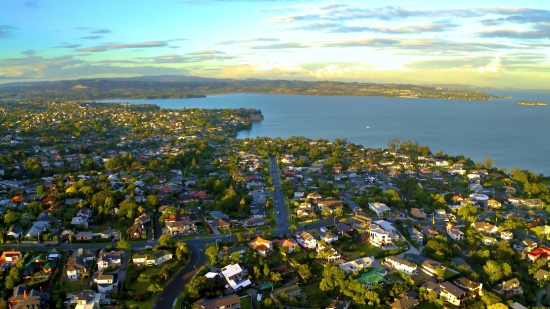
173, 86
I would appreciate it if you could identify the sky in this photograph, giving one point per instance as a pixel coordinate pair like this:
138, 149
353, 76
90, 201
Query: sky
484, 43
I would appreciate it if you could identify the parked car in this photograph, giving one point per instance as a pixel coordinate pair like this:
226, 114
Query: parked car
259, 297
148, 247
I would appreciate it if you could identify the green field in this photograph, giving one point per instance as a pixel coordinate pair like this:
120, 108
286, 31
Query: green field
246, 303
76, 286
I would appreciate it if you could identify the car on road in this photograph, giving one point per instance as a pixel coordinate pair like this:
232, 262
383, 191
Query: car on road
148, 247
259, 297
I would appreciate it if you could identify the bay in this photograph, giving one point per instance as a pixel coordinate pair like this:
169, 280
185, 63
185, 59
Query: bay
513, 135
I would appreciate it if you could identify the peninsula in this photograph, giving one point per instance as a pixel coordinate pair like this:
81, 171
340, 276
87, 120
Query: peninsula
98, 89
532, 103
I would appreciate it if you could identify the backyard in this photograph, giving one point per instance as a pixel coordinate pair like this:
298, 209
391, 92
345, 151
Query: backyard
75, 286
246, 303
357, 250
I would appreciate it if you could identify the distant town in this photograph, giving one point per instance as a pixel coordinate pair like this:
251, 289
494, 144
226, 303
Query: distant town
113, 205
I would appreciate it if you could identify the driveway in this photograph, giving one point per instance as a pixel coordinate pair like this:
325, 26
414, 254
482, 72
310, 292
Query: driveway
541, 294
122, 272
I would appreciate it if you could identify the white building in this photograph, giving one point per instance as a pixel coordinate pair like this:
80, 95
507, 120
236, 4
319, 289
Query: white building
357, 265
306, 240
379, 237
401, 265
235, 277
454, 233
379, 208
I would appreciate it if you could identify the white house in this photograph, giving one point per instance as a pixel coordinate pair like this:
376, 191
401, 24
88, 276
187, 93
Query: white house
108, 259
379, 237
506, 235
329, 238
485, 227
388, 227
82, 221
106, 283
525, 245
159, 257
454, 233
76, 267
401, 265
379, 208
306, 240
357, 265
235, 277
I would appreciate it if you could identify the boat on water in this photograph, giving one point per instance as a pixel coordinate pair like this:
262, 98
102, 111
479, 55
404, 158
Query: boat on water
532, 103
368, 127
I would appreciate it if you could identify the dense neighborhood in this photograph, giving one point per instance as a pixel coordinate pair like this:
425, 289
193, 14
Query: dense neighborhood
101, 203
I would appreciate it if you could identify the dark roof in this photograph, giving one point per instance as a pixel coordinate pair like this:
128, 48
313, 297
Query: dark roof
403, 301
467, 283
452, 289
218, 302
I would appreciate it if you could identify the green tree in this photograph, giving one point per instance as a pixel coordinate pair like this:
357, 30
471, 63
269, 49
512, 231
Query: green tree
153, 200
212, 254
123, 245
3, 304
497, 306
165, 240
10, 282
493, 271
182, 251
266, 270
489, 164
276, 277
235, 257
40, 189
240, 236
154, 288
11, 217
15, 273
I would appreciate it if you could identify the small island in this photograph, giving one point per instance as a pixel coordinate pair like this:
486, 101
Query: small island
532, 103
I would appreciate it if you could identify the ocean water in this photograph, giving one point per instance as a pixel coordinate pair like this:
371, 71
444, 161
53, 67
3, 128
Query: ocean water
513, 135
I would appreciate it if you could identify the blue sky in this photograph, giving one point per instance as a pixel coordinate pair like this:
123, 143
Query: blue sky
486, 43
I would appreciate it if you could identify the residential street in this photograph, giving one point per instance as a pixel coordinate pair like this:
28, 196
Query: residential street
281, 210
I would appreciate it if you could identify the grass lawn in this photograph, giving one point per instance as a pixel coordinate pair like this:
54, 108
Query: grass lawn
246, 303
428, 305
142, 304
76, 286
449, 274
300, 256
276, 257
361, 250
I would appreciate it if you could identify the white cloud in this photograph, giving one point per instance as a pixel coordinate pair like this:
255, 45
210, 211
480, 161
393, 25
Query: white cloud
275, 66
492, 67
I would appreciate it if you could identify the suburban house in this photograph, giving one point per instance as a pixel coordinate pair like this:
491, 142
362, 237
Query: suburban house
23, 299
235, 277
136, 230
83, 236
110, 233
484, 227
80, 221
225, 302
159, 257
356, 265
379, 237
338, 304
506, 235
142, 219
380, 209
306, 240
328, 251
430, 232
290, 290
108, 259
525, 245
542, 275
508, 288
488, 241
538, 253
221, 224
329, 238
418, 214
87, 299
37, 228
401, 265
178, 224
15, 231
329, 204
404, 301
263, 246
454, 233
253, 222
106, 283
452, 294
416, 235
9, 258
76, 268
474, 289
289, 243
360, 220
432, 268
